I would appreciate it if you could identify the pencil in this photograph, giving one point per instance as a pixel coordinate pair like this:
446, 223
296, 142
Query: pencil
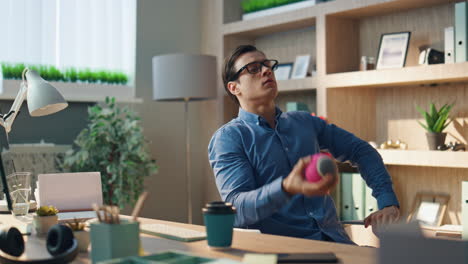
138, 206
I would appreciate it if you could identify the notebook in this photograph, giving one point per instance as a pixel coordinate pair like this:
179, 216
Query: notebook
71, 193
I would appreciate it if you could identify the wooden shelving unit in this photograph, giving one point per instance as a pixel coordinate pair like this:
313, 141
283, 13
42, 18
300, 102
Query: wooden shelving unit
414, 75
375, 105
426, 158
309, 83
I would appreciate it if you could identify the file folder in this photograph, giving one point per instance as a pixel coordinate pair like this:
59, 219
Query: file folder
370, 202
358, 197
464, 209
352, 194
346, 196
461, 31
449, 46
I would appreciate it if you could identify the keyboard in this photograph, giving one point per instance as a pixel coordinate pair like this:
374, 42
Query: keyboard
172, 232
65, 217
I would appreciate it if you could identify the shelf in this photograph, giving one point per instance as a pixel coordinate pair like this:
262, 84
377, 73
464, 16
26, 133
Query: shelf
79, 92
309, 83
291, 20
447, 159
423, 74
306, 17
358, 9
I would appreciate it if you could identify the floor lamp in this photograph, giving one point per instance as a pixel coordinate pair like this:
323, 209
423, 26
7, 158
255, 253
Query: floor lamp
183, 77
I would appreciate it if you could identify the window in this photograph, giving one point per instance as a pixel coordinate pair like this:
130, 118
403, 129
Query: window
99, 35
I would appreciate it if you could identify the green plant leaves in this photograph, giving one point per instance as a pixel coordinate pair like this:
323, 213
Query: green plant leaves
436, 120
249, 6
51, 73
113, 143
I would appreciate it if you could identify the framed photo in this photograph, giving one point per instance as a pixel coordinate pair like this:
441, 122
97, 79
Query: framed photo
429, 209
393, 48
301, 66
284, 71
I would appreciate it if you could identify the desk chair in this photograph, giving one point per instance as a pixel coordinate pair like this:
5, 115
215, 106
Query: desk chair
34, 158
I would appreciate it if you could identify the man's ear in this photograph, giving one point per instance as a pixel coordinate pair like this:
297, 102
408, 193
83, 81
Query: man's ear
233, 87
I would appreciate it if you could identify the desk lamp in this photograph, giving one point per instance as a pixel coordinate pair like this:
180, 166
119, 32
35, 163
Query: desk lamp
183, 77
43, 99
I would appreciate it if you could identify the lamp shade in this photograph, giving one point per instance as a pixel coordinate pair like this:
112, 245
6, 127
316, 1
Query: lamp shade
43, 98
177, 77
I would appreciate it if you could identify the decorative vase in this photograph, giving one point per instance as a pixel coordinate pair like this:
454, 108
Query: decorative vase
82, 237
42, 224
435, 139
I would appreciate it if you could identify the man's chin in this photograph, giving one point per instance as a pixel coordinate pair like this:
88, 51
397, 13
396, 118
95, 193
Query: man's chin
271, 86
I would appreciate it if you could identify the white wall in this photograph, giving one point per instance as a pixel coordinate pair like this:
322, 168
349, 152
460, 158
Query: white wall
173, 26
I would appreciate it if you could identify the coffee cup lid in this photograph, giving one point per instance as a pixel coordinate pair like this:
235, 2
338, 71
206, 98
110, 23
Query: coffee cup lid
219, 207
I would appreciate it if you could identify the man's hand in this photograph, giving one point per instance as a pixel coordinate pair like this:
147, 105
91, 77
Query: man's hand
379, 219
295, 183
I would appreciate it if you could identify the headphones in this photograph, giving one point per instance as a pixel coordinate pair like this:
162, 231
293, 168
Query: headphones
61, 244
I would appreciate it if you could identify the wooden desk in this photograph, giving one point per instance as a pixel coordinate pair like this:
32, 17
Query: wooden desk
243, 242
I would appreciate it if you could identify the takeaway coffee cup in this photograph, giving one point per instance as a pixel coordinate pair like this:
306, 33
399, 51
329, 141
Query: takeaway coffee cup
219, 222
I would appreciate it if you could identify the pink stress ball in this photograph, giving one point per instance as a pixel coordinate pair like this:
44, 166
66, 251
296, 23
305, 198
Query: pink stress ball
319, 165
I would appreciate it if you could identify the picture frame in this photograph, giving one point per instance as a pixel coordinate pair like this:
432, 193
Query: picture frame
301, 66
429, 209
284, 71
393, 49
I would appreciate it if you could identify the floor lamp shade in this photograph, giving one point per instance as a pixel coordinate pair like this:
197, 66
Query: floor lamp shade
179, 77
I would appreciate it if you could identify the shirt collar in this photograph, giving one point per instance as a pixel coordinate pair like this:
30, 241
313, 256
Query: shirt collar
251, 117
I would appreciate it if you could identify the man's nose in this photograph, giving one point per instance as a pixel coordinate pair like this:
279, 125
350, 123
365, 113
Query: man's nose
266, 71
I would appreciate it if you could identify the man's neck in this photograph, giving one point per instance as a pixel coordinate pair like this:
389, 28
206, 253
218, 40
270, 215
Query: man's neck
267, 111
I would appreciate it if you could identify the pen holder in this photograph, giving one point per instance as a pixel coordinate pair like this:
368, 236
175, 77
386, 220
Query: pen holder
110, 241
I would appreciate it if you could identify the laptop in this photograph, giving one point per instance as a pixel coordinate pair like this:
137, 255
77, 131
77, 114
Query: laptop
73, 194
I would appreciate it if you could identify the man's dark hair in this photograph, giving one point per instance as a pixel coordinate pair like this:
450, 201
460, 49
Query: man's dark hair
228, 69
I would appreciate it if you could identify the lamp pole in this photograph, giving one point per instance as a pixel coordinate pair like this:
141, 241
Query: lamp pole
6, 192
187, 161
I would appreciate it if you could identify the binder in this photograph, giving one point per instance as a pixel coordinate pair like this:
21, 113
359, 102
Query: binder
370, 202
346, 196
352, 194
449, 45
336, 195
461, 33
358, 197
464, 209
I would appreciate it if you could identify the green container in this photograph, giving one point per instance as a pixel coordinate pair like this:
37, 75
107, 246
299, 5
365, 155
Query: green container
110, 241
219, 222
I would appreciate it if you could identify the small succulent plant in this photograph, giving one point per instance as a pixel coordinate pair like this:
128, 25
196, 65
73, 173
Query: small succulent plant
47, 211
76, 225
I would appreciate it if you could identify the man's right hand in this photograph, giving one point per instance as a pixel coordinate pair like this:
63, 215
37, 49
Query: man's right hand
295, 183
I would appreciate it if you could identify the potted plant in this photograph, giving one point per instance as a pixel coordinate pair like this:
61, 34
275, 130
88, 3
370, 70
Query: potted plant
45, 218
436, 122
113, 144
81, 235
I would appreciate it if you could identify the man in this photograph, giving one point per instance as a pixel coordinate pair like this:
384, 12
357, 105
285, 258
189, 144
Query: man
259, 157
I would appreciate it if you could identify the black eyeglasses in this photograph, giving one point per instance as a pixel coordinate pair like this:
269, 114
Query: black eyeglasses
256, 67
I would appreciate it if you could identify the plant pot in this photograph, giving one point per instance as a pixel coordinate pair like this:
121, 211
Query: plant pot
42, 224
435, 139
83, 240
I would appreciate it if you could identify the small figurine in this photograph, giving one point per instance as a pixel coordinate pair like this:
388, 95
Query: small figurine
394, 145
452, 146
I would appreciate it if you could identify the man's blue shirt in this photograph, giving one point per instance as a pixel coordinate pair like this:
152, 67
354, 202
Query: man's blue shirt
250, 160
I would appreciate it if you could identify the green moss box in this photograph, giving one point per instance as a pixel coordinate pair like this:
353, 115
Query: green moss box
110, 241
